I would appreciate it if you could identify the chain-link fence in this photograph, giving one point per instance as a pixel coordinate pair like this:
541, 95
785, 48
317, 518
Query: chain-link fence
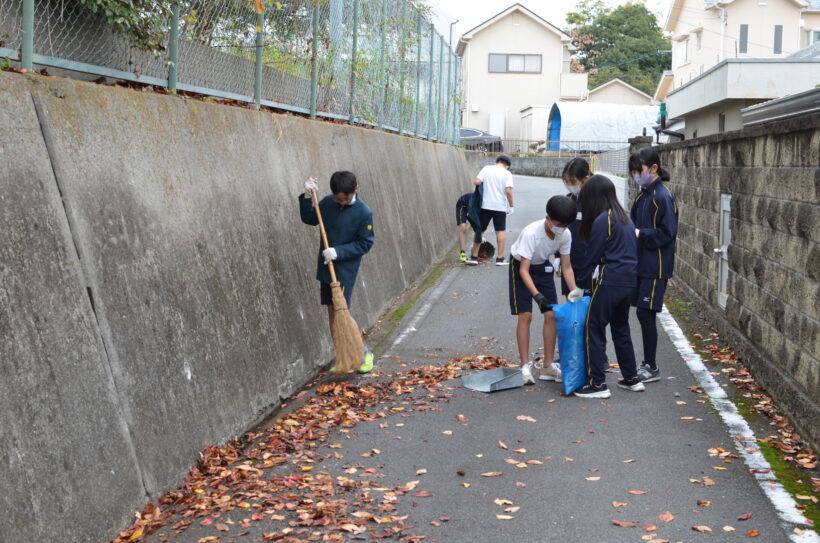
373, 62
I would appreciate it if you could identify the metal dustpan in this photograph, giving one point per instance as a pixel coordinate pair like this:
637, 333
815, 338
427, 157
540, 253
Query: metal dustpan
494, 380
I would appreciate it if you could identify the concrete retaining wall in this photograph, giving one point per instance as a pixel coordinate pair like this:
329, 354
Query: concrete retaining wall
535, 166
772, 315
156, 283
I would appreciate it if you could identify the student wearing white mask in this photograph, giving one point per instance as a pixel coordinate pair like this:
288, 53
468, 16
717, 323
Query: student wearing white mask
575, 174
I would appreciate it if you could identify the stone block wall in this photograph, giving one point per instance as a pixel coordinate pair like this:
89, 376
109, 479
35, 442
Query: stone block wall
772, 315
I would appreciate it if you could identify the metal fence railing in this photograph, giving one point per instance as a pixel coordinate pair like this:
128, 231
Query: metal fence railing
555, 148
374, 62
614, 162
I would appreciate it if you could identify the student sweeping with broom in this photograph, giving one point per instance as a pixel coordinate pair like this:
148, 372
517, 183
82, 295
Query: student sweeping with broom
346, 224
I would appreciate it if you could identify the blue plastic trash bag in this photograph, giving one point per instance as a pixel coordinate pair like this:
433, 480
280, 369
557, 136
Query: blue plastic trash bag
570, 321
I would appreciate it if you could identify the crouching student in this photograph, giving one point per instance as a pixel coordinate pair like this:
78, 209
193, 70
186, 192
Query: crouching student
531, 279
611, 245
462, 207
655, 214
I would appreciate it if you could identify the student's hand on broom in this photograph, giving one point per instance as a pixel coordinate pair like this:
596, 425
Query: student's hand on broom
311, 186
575, 295
329, 254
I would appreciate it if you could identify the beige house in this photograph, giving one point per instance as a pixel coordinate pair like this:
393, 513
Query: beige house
514, 66
706, 32
618, 91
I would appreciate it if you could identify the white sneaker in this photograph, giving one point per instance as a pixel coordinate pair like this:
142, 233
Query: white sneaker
551, 373
526, 373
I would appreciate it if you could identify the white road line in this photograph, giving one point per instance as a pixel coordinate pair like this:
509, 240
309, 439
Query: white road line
744, 437
422, 311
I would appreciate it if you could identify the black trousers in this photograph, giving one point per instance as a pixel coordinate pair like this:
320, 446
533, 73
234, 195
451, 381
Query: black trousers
609, 306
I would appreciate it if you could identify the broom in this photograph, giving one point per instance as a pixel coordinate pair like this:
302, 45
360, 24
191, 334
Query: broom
346, 336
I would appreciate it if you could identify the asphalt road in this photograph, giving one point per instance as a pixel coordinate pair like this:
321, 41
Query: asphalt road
630, 458
467, 314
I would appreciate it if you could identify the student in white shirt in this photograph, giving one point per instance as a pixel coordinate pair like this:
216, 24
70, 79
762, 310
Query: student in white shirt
496, 204
531, 278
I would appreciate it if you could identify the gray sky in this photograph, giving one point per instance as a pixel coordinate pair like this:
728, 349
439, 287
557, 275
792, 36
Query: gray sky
471, 13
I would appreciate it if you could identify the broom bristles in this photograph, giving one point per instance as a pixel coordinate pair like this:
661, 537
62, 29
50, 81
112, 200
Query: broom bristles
346, 336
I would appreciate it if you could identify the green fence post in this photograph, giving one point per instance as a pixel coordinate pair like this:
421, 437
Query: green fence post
354, 51
402, 53
314, 49
440, 86
449, 95
430, 82
382, 64
27, 35
173, 49
418, 76
260, 43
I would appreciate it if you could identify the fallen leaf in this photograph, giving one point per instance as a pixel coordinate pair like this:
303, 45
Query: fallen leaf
520, 451
746, 516
638, 492
465, 485
461, 418
719, 468
421, 471
520, 484
525, 418
492, 474
753, 533
592, 478
649, 527
447, 432
728, 529
502, 445
460, 473
535, 462
629, 461
666, 516
624, 524
222, 528
707, 481
504, 517
619, 504
521, 465
423, 494
513, 509
704, 503
502, 502
701, 529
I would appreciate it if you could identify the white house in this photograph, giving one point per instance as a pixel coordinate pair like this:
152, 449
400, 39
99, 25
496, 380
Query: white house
511, 63
618, 91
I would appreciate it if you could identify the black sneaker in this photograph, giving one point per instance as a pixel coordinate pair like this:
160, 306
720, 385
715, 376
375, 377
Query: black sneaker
634, 384
648, 374
501, 262
593, 391
472, 261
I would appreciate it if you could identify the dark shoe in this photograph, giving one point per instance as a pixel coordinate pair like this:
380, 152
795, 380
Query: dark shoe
472, 261
648, 374
593, 391
634, 384
501, 262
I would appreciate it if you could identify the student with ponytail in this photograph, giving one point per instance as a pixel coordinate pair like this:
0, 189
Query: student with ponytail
655, 214
612, 247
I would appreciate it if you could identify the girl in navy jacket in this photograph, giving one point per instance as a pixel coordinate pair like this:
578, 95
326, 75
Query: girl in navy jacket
655, 214
612, 247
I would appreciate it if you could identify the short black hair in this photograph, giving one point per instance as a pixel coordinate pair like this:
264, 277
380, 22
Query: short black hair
561, 209
505, 159
343, 182
577, 168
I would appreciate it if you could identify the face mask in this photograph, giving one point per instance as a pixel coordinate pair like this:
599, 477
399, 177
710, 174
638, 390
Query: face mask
575, 190
558, 230
643, 179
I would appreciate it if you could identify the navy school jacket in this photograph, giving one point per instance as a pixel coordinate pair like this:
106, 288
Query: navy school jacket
349, 231
613, 246
474, 208
655, 213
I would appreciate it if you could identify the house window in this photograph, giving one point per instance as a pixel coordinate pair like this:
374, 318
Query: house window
743, 46
721, 122
699, 41
778, 39
682, 56
530, 64
812, 37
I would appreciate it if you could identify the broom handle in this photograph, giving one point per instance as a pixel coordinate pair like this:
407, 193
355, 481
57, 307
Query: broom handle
324, 234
